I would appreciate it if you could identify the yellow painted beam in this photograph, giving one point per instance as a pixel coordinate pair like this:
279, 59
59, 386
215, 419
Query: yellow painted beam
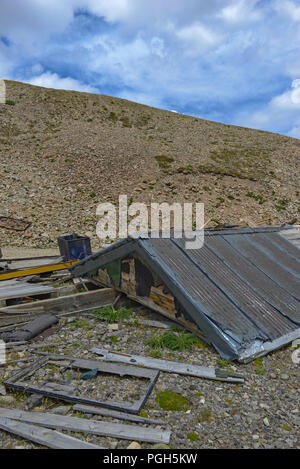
36, 270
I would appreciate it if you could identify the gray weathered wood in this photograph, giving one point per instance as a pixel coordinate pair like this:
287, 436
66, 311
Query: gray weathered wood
95, 298
75, 424
114, 414
23, 289
43, 436
170, 367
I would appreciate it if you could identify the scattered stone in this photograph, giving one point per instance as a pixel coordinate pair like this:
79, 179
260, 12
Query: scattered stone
134, 445
284, 377
7, 400
34, 400
160, 446
266, 422
61, 410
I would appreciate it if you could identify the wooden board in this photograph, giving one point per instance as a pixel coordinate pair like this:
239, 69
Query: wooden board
43, 436
75, 424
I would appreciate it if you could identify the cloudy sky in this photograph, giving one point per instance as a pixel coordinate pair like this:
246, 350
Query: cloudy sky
233, 61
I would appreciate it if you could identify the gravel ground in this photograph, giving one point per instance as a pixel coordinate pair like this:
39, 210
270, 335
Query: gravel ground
264, 412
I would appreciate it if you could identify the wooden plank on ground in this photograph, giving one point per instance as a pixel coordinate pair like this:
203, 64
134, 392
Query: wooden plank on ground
43, 436
75, 424
87, 409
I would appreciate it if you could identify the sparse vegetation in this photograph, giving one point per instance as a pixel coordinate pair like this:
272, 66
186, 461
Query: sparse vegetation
173, 341
110, 314
172, 401
164, 162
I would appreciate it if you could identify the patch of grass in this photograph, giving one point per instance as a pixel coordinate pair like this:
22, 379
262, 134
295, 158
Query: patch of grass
185, 169
79, 323
9, 102
164, 162
259, 369
125, 122
173, 341
170, 401
193, 436
259, 198
286, 427
110, 314
223, 363
113, 117
279, 208
206, 416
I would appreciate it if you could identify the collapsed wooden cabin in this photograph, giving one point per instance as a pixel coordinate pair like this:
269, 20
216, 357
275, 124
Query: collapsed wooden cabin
240, 291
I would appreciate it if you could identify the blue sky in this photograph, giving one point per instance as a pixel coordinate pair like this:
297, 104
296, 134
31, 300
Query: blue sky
233, 61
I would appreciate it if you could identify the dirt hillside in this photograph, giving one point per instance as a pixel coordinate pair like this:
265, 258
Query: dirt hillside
64, 152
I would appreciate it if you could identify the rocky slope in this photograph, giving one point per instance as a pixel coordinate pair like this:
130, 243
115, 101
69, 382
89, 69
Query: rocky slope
64, 152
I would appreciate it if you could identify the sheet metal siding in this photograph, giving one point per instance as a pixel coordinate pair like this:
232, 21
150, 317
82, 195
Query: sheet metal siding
212, 301
279, 256
268, 320
267, 265
284, 245
255, 278
227, 346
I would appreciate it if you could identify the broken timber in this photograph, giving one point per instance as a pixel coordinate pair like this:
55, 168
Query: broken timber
116, 415
59, 306
76, 424
76, 363
240, 291
43, 436
171, 367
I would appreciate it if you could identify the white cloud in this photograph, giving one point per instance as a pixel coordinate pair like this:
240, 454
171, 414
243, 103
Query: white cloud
288, 8
240, 11
217, 59
198, 37
282, 112
52, 80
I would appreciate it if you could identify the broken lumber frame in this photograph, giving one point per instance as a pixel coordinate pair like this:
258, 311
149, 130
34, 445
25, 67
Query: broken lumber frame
62, 305
101, 297
170, 367
43, 436
76, 363
76, 424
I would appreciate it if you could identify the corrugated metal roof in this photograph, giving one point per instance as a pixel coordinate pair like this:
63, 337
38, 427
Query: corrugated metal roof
242, 288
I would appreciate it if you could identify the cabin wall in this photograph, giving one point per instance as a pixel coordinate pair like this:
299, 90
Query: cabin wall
141, 284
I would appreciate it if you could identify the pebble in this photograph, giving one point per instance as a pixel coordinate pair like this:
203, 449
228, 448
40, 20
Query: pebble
7, 400
61, 410
134, 445
284, 377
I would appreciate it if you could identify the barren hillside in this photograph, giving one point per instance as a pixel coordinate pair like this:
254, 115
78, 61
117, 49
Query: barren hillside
64, 152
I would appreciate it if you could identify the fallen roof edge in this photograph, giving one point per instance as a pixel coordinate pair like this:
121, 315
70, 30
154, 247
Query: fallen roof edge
259, 348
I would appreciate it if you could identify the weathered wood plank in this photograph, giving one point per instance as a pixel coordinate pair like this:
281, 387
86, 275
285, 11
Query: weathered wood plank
116, 415
63, 304
75, 424
43, 436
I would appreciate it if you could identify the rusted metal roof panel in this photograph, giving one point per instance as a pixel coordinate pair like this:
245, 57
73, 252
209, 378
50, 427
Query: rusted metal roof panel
242, 288
268, 264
